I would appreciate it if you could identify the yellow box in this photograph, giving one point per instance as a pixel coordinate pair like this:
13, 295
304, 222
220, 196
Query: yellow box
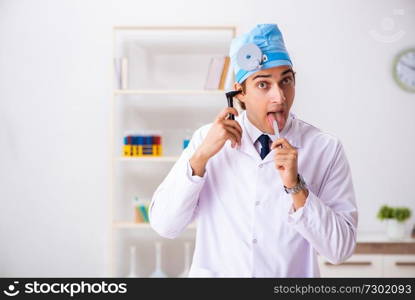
159, 150
135, 151
127, 150
155, 148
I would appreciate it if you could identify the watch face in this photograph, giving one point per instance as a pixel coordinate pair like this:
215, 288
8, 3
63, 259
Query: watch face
404, 70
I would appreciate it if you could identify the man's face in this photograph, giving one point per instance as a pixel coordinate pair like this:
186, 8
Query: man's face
269, 94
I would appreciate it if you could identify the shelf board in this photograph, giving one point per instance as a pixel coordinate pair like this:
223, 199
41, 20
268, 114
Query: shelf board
169, 92
150, 159
131, 225
127, 225
209, 28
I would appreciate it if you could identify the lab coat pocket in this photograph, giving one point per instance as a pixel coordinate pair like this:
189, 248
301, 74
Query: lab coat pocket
202, 272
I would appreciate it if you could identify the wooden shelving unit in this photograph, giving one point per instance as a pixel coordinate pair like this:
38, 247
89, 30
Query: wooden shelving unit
146, 226
166, 66
149, 159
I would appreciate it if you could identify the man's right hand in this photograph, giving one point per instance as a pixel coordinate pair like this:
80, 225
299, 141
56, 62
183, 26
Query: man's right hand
221, 131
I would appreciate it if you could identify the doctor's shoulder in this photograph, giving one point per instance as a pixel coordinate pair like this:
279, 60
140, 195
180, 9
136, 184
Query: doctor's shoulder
200, 134
317, 138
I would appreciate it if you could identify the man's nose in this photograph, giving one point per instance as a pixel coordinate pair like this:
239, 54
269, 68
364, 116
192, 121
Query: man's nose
277, 95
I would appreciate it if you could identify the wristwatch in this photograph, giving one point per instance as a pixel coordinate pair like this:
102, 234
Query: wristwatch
301, 185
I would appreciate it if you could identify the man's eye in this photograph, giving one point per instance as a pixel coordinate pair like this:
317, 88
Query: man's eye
286, 81
262, 85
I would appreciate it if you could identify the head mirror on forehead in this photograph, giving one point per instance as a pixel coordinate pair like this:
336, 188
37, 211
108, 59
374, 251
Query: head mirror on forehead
261, 48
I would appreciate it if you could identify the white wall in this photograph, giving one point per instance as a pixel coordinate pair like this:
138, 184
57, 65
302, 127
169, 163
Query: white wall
55, 91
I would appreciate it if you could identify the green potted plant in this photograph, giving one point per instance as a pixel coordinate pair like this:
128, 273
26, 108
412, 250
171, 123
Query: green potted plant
396, 217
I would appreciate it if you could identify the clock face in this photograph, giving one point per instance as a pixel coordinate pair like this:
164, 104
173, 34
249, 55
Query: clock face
404, 70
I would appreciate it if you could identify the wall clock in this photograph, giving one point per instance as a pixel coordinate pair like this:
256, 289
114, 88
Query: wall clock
404, 70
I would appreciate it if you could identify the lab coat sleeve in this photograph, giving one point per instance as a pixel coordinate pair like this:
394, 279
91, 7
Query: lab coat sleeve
174, 203
329, 221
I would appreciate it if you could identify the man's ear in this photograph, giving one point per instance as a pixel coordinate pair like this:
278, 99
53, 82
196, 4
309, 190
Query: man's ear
238, 87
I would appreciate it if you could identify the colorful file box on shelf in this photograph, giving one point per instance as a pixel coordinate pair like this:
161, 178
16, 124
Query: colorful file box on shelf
142, 145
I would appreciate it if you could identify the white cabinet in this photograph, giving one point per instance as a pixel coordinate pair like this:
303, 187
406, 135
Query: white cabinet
399, 265
367, 265
358, 265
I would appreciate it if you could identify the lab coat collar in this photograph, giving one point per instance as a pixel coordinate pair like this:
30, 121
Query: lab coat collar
253, 132
250, 134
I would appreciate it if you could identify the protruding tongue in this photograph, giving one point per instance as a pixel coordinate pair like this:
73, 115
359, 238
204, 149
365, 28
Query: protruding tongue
280, 119
271, 118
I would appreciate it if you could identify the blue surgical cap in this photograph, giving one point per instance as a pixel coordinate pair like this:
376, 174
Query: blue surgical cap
261, 48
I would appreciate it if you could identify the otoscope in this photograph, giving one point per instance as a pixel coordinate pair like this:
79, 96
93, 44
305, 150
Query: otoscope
229, 97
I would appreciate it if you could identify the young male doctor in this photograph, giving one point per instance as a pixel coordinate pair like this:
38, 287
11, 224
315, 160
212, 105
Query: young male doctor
265, 206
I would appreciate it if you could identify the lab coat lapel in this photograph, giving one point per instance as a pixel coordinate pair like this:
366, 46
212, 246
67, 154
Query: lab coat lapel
247, 146
269, 157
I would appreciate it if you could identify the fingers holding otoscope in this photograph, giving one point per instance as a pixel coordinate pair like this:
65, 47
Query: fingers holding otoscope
229, 98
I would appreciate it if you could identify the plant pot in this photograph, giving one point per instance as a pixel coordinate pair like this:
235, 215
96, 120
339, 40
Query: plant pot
395, 230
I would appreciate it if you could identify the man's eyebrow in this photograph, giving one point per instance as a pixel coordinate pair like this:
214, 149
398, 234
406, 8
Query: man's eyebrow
287, 71
269, 75
262, 76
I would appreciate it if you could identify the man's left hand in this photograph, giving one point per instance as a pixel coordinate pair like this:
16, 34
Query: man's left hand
286, 161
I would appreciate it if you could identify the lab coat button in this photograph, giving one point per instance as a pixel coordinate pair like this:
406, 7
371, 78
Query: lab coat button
257, 203
260, 166
254, 241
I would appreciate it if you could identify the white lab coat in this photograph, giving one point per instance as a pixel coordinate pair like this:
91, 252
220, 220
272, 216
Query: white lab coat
246, 226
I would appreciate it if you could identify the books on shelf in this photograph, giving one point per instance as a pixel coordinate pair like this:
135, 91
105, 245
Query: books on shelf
229, 80
224, 73
124, 73
121, 73
218, 73
135, 145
